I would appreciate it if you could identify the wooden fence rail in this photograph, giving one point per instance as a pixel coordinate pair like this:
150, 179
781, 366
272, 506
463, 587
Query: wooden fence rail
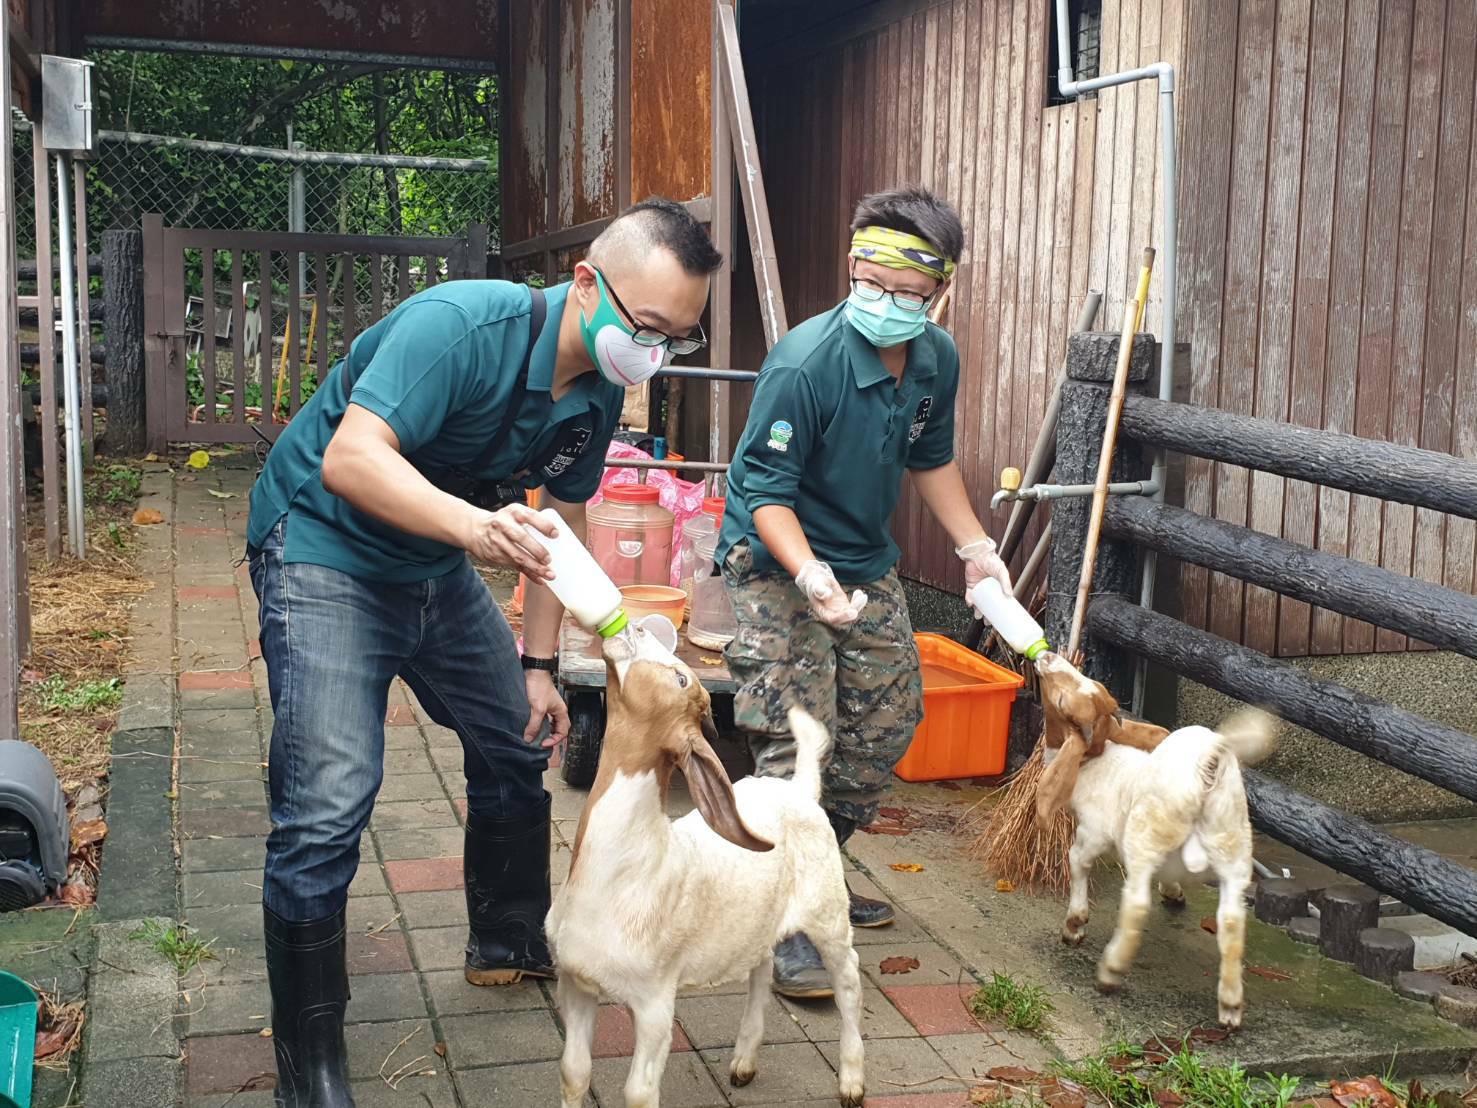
1384, 470
1440, 616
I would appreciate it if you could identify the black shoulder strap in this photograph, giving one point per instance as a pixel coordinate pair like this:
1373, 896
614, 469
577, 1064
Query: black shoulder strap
520, 387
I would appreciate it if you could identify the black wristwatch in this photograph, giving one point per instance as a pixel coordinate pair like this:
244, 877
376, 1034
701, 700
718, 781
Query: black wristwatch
548, 665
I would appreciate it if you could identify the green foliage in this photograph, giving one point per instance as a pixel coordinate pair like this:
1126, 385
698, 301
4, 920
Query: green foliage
1022, 1007
119, 484
1125, 1077
177, 943
55, 695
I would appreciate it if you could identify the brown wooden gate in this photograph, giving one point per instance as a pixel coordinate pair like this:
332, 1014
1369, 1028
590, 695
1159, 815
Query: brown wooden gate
240, 326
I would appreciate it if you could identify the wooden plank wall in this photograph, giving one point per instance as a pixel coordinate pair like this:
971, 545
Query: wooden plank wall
1055, 200
1328, 248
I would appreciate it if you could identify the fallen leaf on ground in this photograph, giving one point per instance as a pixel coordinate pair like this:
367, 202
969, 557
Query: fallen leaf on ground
77, 894
151, 457
1016, 1075
1209, 924
1167, 1099
1269, 974
900, 963
221, 495
988, 1094
1004, 886
266, 1032
145, 516
86, 832
440, 1050
50, 1042
1059, 1093
198, 460
906, 867
1369, 1091
1207, 1035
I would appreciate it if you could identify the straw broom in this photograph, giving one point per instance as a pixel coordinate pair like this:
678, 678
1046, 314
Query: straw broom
1012, 843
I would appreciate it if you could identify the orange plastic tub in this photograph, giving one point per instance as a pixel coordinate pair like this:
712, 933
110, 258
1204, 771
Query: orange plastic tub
966, 714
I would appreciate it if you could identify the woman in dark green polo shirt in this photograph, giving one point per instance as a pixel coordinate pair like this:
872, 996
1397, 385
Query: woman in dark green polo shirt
845, 404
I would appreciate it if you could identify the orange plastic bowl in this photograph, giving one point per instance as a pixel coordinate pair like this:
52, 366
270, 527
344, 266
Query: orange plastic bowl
655, 600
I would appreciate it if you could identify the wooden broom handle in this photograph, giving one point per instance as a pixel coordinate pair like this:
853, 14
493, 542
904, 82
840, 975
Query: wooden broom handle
1132, 313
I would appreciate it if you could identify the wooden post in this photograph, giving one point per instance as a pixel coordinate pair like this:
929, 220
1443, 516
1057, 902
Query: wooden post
1429, 750
14, 583
46, 343
721, 350
156, 343
1092, 358
1343, 912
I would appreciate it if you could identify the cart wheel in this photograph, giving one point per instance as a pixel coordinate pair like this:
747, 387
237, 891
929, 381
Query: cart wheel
586, 734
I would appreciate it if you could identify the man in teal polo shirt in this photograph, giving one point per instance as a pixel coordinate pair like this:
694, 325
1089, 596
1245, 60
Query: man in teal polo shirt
413, 455
845, 404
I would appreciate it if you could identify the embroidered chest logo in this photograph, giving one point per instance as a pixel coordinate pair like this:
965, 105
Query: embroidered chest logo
570, 448
780, 434
920, 418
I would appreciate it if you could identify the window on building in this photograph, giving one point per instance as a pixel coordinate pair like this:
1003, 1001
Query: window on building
1084, 36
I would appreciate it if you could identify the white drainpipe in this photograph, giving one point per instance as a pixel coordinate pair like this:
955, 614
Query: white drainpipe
1162, 72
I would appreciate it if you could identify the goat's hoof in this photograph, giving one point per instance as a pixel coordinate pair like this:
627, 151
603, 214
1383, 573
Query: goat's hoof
853, 1097
1173, 899
1230, 1016
1073, 938
1108, 982
738, 1077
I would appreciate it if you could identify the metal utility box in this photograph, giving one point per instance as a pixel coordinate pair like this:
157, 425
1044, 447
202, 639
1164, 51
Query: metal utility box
68, 122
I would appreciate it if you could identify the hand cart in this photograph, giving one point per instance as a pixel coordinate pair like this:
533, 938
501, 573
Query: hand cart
581, 666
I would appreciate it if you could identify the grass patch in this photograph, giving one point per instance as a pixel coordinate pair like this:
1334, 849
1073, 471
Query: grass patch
1021, 1007
1128, 1076
117, 484
56, 694
177, 943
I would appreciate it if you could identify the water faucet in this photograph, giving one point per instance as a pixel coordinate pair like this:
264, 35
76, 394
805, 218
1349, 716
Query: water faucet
1010, 486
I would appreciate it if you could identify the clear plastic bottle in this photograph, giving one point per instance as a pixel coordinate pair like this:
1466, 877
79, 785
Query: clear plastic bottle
585, 590
630, 534
1009, 618
712, 625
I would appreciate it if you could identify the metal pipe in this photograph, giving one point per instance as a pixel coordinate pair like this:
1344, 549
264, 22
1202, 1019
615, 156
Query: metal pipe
1062, 492
666, 463
297, 153
1163, 73
697, 373
70, 387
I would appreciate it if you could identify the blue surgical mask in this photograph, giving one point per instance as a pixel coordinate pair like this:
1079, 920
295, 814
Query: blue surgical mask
883, 323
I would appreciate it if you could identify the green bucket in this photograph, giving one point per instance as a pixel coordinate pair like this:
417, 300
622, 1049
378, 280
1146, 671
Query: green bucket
17, 1041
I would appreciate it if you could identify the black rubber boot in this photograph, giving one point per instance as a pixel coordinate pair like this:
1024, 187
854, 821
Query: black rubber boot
799, 971
865, 912
505, 863
310, 989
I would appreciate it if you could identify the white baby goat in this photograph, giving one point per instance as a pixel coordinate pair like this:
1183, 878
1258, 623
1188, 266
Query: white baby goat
653, 905
1176, 812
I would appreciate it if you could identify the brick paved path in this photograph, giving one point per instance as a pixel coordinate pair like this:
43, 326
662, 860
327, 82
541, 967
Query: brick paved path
419, 1034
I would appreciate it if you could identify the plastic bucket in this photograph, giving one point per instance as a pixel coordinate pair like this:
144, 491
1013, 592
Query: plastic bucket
18, 1006
966, 714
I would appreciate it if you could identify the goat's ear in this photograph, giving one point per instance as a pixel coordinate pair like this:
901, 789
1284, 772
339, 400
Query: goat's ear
1054, 788
707, 781
1139, 735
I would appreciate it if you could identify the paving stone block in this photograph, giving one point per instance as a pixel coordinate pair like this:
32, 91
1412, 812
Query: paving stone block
1420, 985
386, 952
519, 1086
419, 842
368, 914
386, 996
219, 720
452, 995
404, 738
225, 823
820, 1021
412, 786
902, 1065
227, 1063
249, 793
400, 715
934, 1009
686, 1082
412, 1091
244, 764
423, 875
973, 1056
384, 1048
407, 760
500, 1038
230, 966
936, 965
1458, 1004
440, 947
369, 880
615, 1033
216, 699
711, 1022
786, 1071
399, 815
259, 1098
223, 1009
129, 1083
207, 855
148, 701
431, 909
449, 759
227, 927
214, 679
139, 878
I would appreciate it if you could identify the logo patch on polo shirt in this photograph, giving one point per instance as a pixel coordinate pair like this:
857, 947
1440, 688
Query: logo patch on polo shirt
920, 418
570, 447
780, 434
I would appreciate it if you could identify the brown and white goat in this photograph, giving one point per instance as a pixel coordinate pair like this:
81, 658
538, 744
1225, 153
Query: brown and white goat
652, 905
1175, 811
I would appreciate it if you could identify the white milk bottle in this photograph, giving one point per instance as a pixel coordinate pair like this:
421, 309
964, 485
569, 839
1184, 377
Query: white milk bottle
585, 590
1009, 618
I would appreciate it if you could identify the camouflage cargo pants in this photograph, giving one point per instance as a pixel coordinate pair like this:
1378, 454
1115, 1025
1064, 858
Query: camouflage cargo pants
861, 681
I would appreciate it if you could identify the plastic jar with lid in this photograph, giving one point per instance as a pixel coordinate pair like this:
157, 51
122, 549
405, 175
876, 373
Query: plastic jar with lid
712, 625
630, 535
707, 522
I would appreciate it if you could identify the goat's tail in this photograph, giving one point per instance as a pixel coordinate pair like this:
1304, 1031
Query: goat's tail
812, 747
1250, 734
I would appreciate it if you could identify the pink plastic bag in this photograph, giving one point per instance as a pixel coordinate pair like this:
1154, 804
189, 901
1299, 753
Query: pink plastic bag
684, 499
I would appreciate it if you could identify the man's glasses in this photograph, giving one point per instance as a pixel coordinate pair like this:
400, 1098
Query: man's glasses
650, 336
870, 292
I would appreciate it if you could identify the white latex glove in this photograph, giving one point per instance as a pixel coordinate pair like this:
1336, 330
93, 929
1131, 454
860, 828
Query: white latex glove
981, 561
827, 598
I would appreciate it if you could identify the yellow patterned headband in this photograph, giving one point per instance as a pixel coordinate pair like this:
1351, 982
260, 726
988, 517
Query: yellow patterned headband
900, 250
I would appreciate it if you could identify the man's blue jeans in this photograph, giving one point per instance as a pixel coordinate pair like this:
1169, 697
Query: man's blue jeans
333, 643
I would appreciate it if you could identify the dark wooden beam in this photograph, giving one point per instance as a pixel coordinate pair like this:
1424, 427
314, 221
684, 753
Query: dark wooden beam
1406, 474
1429, 750
583, 233
1412, 874
1440, 616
